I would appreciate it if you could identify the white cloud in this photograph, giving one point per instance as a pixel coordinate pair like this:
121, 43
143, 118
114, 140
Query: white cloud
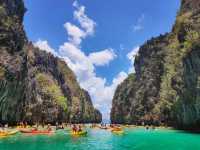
84, 68
77, 61
102, 94
44, 45
139, 25
83, 65
87, 26
75, 4
75, 34
102, 58
131, 56
71, 51
86, 23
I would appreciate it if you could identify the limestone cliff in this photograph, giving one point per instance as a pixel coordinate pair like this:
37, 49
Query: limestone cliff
35, 86
166, 86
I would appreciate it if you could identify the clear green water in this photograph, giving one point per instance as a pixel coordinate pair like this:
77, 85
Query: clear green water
133, 139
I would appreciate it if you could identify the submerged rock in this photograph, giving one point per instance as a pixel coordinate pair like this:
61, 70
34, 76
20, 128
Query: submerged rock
36, 86
166, 86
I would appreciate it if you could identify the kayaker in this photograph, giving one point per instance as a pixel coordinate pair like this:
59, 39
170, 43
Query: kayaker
6, 126
21, 124
62, 126
25, 125
57, 126
79, 128
49, 127
74, 128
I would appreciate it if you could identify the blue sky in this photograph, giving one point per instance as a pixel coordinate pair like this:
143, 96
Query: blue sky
98, 37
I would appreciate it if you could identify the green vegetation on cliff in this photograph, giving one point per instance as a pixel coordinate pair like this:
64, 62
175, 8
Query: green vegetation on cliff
35, 86
49, 87
2, 73
165, 90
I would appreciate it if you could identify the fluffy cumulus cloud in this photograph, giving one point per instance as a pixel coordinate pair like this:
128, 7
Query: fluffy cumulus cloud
75, 34
84, 65
131, 56
103, 57
71, 51
86, 23
103, 94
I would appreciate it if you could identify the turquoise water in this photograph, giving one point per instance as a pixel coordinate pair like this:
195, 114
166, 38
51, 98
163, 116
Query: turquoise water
133, 139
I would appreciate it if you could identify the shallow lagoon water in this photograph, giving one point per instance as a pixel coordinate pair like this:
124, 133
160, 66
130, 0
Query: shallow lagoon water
132, 139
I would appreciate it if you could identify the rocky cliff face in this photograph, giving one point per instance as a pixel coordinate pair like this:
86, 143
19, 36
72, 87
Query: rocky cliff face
166, 86
35, 86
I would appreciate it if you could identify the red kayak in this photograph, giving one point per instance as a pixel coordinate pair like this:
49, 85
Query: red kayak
37, 131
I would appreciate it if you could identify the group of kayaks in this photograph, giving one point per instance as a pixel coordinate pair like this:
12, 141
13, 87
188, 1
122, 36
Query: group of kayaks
79, 133
37, 132
116, 130
113, 129
9, 133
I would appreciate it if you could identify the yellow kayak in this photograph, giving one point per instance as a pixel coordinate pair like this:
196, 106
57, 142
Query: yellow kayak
6, 133
79, 133
117, 131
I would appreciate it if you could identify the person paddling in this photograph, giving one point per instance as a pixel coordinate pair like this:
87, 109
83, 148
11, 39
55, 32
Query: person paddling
79, 129
74, 128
